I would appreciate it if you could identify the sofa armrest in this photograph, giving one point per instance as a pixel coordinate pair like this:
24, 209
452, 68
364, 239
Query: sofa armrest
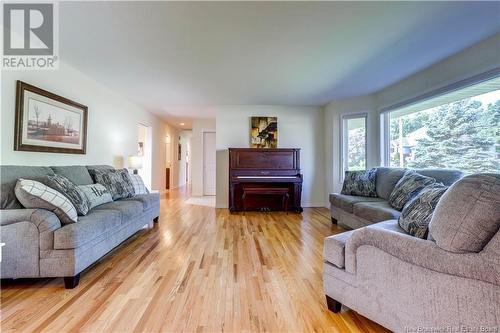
423, 253
43, 219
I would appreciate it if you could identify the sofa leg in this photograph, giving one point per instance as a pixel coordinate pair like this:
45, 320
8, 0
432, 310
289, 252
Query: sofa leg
333, 305
155, 220
71, 282
334, 221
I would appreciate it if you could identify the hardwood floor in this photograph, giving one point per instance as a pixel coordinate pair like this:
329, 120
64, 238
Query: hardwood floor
198, 270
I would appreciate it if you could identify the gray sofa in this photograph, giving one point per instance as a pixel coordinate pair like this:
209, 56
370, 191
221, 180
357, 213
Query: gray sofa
448, 282
37, 245
355, 212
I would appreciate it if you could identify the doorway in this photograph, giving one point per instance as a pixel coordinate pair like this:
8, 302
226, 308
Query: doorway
209, 163
145, 152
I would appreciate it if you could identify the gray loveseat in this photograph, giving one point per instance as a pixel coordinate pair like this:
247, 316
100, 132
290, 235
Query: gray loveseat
356, 212
449, 282
38, 245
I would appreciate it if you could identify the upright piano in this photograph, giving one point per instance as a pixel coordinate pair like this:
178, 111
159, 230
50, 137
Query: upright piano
257, 177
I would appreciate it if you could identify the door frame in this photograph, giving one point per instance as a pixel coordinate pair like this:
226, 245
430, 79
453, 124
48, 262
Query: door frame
203, 153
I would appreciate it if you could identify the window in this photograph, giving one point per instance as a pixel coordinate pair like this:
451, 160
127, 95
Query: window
459, 130
354, 142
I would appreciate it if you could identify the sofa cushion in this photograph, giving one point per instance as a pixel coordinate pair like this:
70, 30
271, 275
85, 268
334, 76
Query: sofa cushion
78, 174
99, 167
334, 248
128, 208
387, 178
361, 183
93, 225
408, 187
33, 194
117, 182
9, 174
468, 214
147, 200
417, 213
390, 225
70, 191
375, 211
346, 202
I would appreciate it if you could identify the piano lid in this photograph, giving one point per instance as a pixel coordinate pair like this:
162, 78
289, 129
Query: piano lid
264, 161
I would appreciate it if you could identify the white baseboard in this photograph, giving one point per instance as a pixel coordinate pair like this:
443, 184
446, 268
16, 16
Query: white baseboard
313, 205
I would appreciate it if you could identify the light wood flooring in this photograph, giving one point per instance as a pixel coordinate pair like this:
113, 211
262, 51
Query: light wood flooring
198, 270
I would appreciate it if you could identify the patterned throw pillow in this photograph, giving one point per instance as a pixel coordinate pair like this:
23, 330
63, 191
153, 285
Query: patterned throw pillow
407, 188
117, 182
70, 191
139, 187
33, 194
417, 213
360, 183
96, 194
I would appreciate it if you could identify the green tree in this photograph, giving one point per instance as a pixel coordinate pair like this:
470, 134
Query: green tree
462, 135
411, 123
356, 152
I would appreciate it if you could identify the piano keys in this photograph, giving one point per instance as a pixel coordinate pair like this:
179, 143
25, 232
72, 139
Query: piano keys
264, 179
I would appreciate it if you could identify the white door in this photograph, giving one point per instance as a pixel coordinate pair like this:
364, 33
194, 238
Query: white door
209, 163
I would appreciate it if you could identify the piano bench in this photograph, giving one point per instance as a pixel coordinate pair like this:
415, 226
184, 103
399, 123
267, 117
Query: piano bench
283, 191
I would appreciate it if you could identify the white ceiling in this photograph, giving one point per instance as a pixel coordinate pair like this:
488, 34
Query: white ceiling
180, 59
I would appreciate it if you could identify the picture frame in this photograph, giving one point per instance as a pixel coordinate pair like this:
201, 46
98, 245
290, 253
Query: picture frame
264, 132
48, 123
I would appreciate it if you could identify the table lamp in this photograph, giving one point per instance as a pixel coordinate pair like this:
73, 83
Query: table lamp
134, 163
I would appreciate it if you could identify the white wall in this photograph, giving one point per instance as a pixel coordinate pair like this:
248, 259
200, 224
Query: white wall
200, 126
333, 150
112, 122
477, 59
298, 127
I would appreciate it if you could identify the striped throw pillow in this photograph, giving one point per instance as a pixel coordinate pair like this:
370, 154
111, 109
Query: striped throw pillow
139, 187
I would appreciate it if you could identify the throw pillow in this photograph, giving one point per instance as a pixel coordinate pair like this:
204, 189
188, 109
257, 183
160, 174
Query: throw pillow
33, 194
96, 194
70, 191
407, 188
417, 213
468, 215
139, 187
360, 183
117, 182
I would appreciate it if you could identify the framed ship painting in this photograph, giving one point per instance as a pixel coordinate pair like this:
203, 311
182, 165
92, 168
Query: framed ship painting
264, 132
46, 122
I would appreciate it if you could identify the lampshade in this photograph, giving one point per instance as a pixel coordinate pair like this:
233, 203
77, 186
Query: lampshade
134, 162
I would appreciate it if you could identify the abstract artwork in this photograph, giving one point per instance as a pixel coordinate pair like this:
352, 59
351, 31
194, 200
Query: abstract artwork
264, 132
46, 122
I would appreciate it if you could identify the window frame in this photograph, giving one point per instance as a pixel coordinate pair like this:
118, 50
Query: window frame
344, 140
386, 111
